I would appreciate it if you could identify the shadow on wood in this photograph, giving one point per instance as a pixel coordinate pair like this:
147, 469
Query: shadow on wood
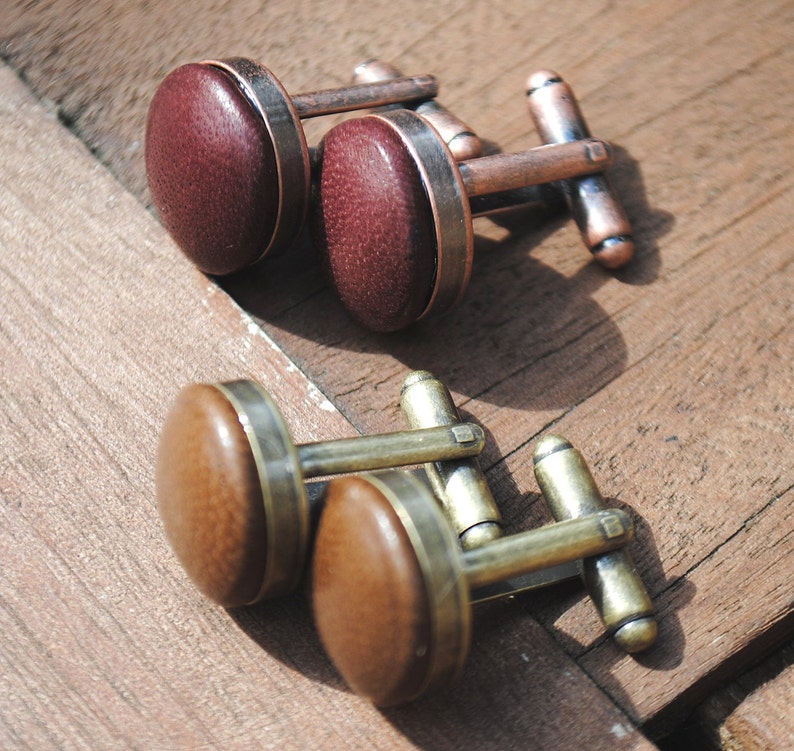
520, 320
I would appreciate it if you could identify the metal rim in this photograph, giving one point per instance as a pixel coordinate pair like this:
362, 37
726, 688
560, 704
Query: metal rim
286, 503
449, 204
274, 105
439, 558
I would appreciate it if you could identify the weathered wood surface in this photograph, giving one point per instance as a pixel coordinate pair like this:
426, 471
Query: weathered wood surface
753, 709
674, 377
764, 720
105, 644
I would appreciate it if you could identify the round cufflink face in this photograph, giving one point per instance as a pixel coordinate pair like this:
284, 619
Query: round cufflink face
391, 220
209, 497
230, 495
216, 171
375, 225
390, 604
211, 168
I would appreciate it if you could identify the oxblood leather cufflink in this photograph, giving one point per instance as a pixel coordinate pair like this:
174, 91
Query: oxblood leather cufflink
227, 161
393, 219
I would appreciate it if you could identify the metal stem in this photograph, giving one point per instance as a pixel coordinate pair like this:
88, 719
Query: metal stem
548, 546
459, 138
541, 199
614, 584
358, 96
399, 449
543, 164
460, 486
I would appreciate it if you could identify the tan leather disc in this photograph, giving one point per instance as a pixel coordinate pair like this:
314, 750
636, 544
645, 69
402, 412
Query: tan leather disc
210, 497
370, 603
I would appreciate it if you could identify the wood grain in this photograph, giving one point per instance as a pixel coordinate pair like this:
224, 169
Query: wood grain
764, 719
674, 378
105, 642
708, 720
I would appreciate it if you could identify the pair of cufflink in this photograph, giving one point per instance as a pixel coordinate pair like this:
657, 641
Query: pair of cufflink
395, 561
390, 196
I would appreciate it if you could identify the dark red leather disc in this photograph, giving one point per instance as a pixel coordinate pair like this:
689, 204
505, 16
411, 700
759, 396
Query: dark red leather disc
374, 225
211, 168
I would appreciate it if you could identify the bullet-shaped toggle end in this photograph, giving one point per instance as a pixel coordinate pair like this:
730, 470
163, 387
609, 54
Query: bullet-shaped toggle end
637, 636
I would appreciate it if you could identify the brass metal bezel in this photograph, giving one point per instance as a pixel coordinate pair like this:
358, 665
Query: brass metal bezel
286, 503
439, 561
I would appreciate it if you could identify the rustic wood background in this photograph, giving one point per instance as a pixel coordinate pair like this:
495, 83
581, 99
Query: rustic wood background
674, 378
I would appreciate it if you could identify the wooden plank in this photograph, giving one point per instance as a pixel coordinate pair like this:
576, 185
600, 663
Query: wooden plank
556, 304
105, 642
673, 377
763, 721
706, 723
694, 400
714, 427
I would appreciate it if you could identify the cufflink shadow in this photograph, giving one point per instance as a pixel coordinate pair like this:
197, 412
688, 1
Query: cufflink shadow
602, 656
666, 654
284, 628
517, 325
517, 690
